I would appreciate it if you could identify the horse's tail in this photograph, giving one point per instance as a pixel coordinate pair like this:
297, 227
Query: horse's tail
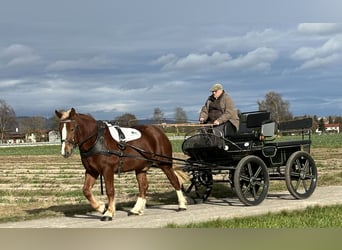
182, 176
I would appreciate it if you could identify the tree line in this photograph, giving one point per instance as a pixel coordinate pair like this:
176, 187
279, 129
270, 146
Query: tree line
273, 102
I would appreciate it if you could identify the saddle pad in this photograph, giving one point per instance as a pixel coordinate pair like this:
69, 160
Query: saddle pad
125, 134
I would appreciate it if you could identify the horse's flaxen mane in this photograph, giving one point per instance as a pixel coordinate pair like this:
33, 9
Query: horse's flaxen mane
65, 115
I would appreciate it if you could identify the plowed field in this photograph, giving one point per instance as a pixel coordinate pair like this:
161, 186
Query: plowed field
46, 185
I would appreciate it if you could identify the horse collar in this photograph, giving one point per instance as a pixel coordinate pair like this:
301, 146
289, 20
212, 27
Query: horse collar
98, 146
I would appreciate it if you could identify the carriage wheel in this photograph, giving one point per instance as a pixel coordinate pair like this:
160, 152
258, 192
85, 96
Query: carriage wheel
202, 181
301, 175
251, 180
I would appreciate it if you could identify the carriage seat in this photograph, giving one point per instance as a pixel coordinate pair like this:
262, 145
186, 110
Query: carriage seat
252, 125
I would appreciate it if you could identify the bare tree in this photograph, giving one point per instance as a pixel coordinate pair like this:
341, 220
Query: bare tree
158, 116
180, 115
277, 106
31, 124
126, 119
53, 122
7, 118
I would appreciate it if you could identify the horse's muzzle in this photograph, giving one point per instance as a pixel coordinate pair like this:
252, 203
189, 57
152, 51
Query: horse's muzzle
67, 152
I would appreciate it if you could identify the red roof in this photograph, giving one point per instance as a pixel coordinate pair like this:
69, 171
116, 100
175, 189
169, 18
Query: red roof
333, 125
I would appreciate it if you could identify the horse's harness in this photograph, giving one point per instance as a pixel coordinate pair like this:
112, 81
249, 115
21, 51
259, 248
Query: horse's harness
99, 146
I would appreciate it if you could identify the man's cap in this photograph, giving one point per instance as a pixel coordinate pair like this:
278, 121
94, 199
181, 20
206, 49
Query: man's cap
216, 86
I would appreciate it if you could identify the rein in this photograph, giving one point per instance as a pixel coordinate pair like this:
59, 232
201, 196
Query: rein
99, 147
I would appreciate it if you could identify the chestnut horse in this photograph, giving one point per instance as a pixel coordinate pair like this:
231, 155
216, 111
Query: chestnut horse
102, 155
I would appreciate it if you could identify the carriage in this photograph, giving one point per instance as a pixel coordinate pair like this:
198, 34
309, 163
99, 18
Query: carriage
249, 160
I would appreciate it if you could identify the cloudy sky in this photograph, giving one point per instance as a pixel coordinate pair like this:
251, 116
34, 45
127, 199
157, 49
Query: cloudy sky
109, 57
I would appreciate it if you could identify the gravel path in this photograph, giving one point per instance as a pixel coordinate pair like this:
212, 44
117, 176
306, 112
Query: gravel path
160, 216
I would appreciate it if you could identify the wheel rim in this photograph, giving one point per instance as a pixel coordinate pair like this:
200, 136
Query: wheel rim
301, 175
202, 182
251, 180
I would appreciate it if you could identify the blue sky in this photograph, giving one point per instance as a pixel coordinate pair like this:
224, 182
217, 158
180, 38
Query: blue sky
107, 57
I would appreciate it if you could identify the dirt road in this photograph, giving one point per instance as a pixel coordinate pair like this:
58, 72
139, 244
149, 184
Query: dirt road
160, 216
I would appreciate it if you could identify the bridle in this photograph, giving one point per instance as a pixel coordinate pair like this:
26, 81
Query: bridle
63, 136
76, 130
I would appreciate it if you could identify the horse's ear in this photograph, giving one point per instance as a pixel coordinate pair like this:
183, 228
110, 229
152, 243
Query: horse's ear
72, 112
58, 114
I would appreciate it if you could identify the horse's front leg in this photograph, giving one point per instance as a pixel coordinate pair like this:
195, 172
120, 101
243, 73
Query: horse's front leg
139, 206
108, 175
87, 186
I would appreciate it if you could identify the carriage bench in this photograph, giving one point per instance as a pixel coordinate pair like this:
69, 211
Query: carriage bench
252, 126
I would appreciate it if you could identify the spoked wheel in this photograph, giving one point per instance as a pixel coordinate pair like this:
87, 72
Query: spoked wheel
251, 180
301, 175
202, 181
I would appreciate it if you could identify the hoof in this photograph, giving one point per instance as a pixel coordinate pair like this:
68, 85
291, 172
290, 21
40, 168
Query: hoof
181, 209
106, 218
130, 213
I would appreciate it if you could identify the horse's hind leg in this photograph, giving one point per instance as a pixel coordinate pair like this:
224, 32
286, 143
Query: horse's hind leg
140, 204
87, 186
171, 175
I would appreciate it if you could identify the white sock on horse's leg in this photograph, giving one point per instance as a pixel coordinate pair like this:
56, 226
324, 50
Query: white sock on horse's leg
110, 212
139, 206
181, 200
101, 208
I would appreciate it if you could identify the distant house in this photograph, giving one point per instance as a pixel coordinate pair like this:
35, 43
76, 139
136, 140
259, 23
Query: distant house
32, 137
38, 136
332, 128
14, 138
54, 136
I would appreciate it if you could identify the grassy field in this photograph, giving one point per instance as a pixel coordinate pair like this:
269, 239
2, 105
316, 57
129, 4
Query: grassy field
312, 217
318, 141
38, 182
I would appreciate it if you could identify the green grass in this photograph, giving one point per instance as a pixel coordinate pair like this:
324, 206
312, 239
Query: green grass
327, 141
318, 141
311, 217
177, 145
31, 150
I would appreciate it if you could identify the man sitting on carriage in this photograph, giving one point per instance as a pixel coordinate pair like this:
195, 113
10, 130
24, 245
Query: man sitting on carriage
220, 111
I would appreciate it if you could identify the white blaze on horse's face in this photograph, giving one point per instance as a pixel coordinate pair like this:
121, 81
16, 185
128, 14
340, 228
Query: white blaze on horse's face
64, 136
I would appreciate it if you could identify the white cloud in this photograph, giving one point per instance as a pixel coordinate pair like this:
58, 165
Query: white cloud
258, 59
321, 62
11, 83
198, 61
320, 28
333, 45
250, 40
94, 62
328, 53
18, 54
165, 59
